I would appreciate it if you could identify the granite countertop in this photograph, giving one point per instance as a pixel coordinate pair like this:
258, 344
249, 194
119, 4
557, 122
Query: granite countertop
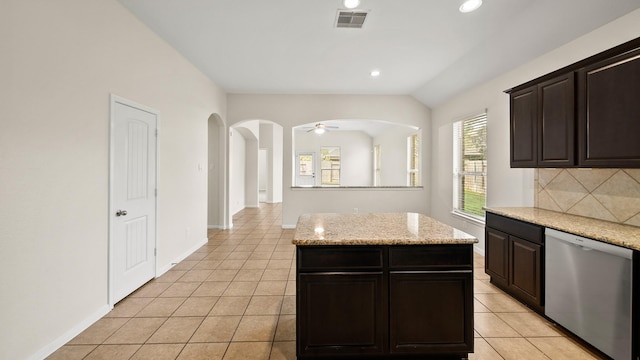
376, 229
605, 231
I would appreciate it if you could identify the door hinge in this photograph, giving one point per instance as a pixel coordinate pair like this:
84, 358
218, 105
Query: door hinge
155, 251
157, 131
155, 192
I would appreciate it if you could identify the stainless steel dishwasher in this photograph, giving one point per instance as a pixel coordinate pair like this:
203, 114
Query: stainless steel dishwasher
588, 290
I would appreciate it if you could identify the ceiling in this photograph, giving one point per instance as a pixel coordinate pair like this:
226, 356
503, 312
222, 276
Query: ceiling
425, 48
372, 128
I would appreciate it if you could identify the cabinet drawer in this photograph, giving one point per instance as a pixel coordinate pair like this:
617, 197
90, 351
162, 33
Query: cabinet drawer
431, 257
343, 258
521, 229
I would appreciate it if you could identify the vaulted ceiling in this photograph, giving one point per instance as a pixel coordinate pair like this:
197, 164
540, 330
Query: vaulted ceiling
425, 48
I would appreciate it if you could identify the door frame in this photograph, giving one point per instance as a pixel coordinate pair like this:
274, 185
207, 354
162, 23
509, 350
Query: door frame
296, 168
113, 100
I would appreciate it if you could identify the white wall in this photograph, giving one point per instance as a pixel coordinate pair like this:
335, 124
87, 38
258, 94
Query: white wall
60, 61
393, 156
506, 186
356, 154
216, 171
237, 169
271, 140
277, 156
293, 110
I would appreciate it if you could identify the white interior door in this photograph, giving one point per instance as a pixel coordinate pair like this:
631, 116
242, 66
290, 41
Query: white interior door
132, 217
306, 169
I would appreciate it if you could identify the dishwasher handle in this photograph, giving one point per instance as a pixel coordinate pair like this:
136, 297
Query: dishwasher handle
589, 244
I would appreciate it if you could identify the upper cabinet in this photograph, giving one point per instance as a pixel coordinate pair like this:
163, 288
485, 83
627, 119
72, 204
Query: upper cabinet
584, 115
609, 112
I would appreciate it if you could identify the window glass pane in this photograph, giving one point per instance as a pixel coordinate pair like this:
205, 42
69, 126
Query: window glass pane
414, 160
330, 165
306, 165
470, 165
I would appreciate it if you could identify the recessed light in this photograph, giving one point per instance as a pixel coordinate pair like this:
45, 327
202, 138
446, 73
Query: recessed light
375, 73
470, 5
351, 4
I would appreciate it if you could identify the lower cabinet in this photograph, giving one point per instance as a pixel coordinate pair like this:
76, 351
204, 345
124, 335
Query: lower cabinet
414, 302
343, 313
514, 258
423, 323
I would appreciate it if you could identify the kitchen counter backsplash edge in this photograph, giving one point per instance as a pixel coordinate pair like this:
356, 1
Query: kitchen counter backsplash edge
617, 234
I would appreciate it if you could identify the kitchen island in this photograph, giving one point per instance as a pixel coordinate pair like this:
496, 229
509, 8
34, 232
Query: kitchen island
382, 286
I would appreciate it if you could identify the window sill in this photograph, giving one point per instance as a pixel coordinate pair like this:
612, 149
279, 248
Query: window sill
469, 218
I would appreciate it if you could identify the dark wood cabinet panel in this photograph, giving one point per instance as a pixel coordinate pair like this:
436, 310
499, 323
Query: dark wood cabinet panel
344, 314
417, 304
524, 127
514, 258
496, 256
423, 323
525, 270
556, 122
585, 114
609, 112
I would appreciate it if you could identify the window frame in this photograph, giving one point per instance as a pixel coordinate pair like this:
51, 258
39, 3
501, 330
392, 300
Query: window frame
413, 160
458, 193
334, 166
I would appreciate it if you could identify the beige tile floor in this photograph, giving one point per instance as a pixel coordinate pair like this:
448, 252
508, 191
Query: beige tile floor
234, 298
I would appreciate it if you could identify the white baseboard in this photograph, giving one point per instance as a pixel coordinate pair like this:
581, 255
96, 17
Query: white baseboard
288, 226
164, 269
71, 333
218, 227
478, 249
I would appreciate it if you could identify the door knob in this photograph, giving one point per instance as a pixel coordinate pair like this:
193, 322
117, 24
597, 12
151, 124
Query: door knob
121, 213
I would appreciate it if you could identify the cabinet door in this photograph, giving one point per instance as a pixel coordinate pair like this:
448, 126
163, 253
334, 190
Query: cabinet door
524, 128
609, 112
556, 122
431, 312
496, 256
341, 314
525, 270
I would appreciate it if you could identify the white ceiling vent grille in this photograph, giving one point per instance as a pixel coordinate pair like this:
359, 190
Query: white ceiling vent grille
350, 19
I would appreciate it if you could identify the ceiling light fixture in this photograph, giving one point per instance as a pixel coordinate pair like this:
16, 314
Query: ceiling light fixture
375, 73
351, 4
470, 5
319, 130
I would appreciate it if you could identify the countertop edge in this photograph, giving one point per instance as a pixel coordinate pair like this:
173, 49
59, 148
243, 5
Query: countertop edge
627, 236
365, 229
383, 242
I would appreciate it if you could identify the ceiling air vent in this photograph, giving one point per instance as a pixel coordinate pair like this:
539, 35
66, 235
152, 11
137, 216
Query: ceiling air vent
350, 19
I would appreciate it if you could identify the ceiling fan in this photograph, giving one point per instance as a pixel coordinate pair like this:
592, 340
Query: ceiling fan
321, 128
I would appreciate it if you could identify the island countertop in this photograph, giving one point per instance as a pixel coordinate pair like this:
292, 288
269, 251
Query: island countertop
375, 229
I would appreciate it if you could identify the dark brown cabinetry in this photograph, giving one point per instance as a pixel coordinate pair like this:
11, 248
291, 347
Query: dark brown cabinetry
385, 302
514, 258
524, 125
609, 112
583, 115
542, 124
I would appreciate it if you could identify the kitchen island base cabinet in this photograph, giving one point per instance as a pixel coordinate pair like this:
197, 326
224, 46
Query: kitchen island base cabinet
421, 323
384, 302
343, 313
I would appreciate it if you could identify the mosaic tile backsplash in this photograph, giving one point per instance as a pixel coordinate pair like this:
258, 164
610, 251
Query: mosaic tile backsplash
605, 194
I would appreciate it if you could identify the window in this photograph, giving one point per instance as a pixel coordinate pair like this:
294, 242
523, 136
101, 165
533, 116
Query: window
330, 165
470, 165
413, 155
376, 165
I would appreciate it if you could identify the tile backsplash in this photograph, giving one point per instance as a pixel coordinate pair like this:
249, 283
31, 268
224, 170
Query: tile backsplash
606, 194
